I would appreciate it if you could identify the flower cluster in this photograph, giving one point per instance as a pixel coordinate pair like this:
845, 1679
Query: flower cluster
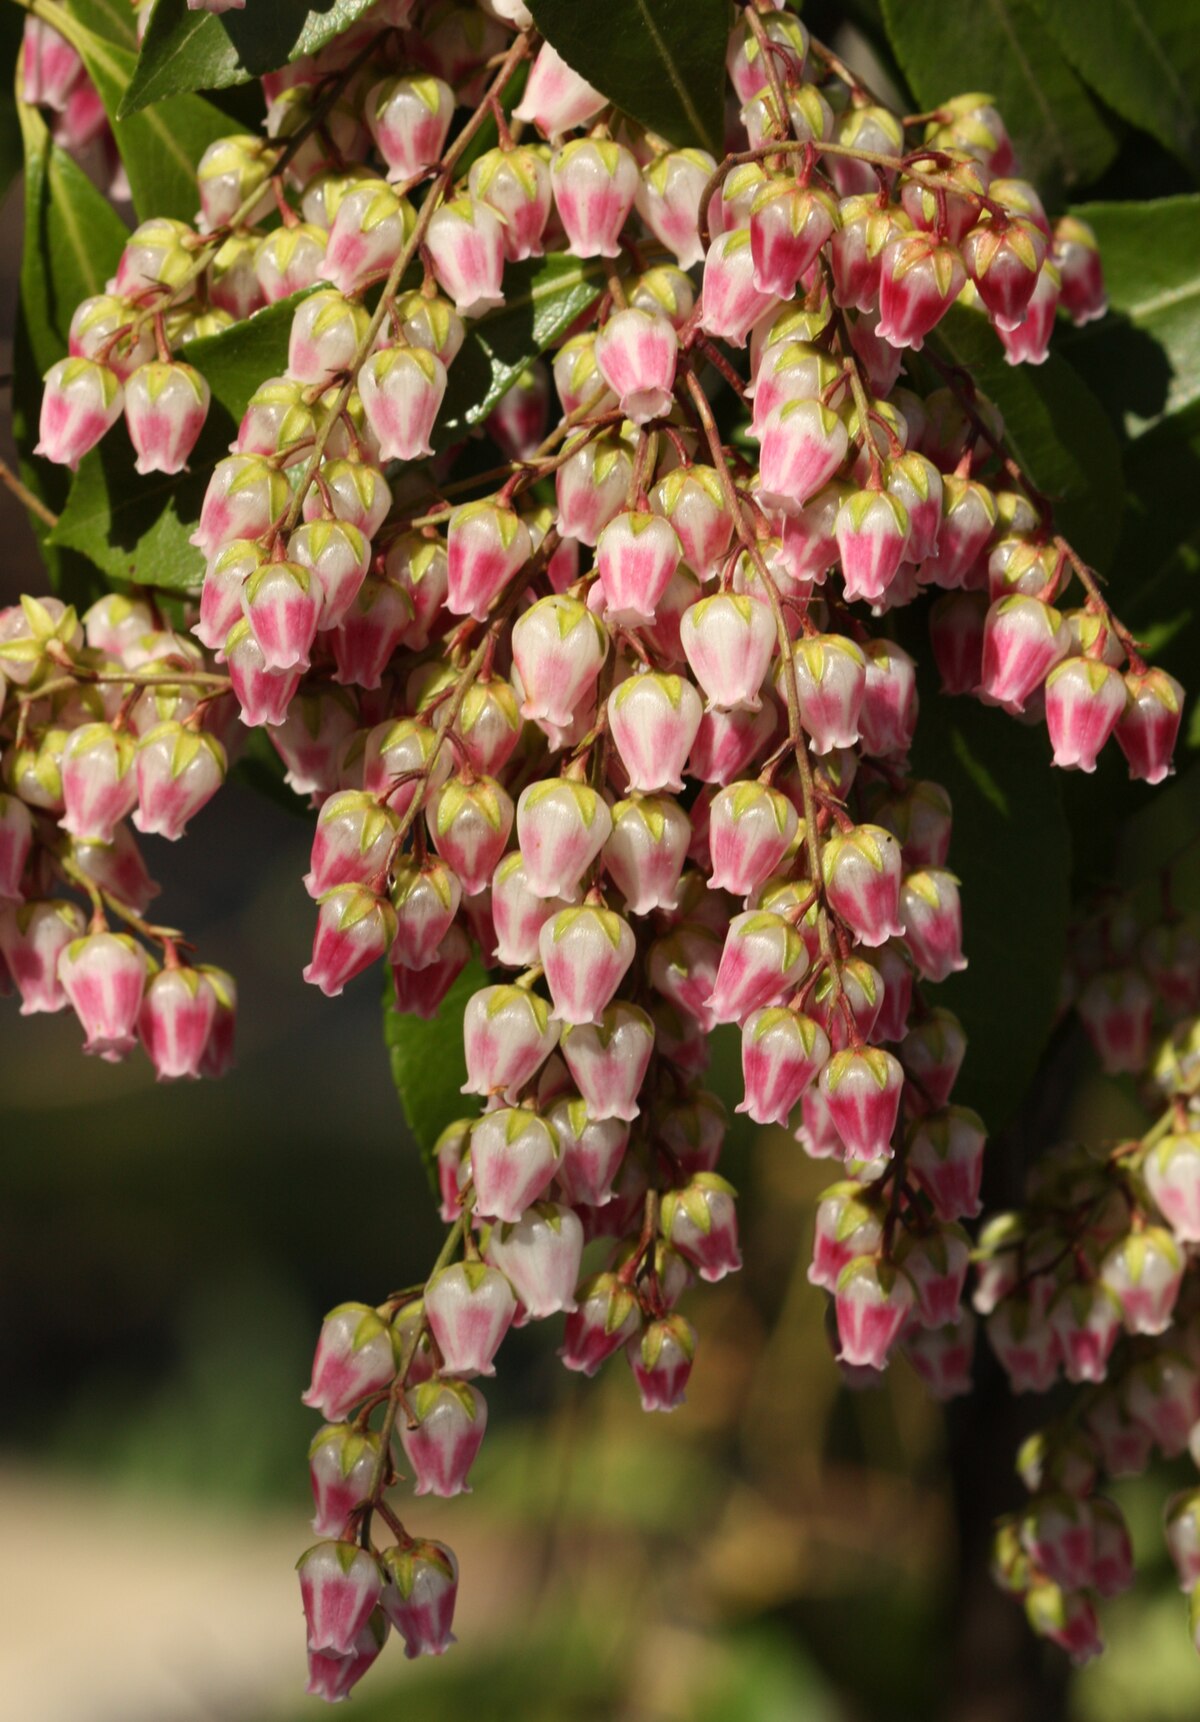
628, 716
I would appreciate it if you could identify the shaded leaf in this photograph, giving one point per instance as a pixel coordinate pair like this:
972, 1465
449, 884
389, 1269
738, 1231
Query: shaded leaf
661, 61
1001, 46
428, 1063
185, 50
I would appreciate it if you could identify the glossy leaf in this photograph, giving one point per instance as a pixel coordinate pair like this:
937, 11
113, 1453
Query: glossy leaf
1142, 57
661, 61
427, 1061
185, 50
1061, 137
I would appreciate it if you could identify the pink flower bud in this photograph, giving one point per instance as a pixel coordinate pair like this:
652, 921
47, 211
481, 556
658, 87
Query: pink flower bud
731, 303
539, 1254
932, 1053
507, 1036
692, 500
762, 959
942, 1356
728, 641
1077, 259
99, 784
486, 545
668, 200
803, 446
515, 184
282, 603
956, 630
245, 496
782, 1052
608, 1060
1085, 1319
420, 992
1056, 1531
556, 99
848, 1224
440, 1444
1172, 1174
425, 897
920, 278
469, 1307
81, 401
653, 721
341, 1466
661, 1358
465, 240
592, 1151
410, 120
514, 1154
636, 555
357, 492
351, 843
872, 536
888, 716
562, 825
1028, 342
1084, 700
1023, 639
585, 952
1116, 1007
355, 1357
1066, 1618
33, 936
289, 260
594, 183
872, 1301
469, 821
701, 1222
355, 927
325, 335
518, 913
945, 1156
1163, 1395
50, 67
862, 870
558, 647
1147, 730
862, 1091
104, 975
789, 224
604, 1319
932, 916
179, 770
419, 1596
1143, 1271
636, 353
591, 487
165, 409
683, 968
645, 853
336, 557
378, 619
402, 389
936, 1262
1003, 259
176, 1021
340, 1584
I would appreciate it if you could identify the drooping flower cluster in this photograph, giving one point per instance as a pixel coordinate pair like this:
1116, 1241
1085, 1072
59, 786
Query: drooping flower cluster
627, 720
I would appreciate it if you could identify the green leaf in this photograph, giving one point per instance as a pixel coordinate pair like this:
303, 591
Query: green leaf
1001, 46
160, 147
1142, 57
136, 528
542, 298
661, 61
427, 1061
1012, 852
185, 51
1143, 360
1056, 428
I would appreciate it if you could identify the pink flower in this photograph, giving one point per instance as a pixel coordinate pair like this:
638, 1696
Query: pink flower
668, 200
104, 976
936, 1262
862, 869
932, 916
804, 444
556, 99
608, 1060
514, 1154
594, 182
636, 352
402, 388
465, 239
558, 647
1003, 259
419, 1596
862, 1092
179, 770
701, 1222
872, 534
176, 1020
789, 224
82, 400
355, 1357
1023, 639
33, 936
585, 952
99, 784
355, 927
661, 1358
782, 1052
653, 720
340, 1584
1143, 1271
1085, 1320
932, 1053
1028, 342
515, 183
341, 1467
592, 1152
282, 604
507, 1036
1147, 731
763, 958
872, 1302
336, 556
446, 1433
165, 409
945, 1156
751, 828
325, 335
1077, 259
920, 278
410, 120
486, 544
470, 820
591, 487
245, 497
730, 301
425, 896
728, 641
469, 1307
1172, 1174
379, 618
645, 853
1115, 1008
539, 1254
562, 825
605, 1317
849, 1223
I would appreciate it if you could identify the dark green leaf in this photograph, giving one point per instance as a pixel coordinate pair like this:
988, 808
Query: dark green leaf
186, 50
1142, 57
1056, 429
1002, 47
136, 528
1012, 852
1143, 360
542, 298
160, 147
428, 1063
661, 61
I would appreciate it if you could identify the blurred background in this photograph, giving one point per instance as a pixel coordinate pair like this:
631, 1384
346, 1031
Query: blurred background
778, 1549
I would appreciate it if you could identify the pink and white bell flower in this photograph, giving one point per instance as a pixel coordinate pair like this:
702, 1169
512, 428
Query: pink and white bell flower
355, 1357
762, 959
789, 224
507, 1037
653, 720
469, 821
324, 339
661, 1357
1144, 1271
956, 625
562, 825
730, 302
637, 553
379, 618
915, 481
340, 1585
848, 1223
920, 277
410, 120
179, 770
804, 444
1077, 259
166, 404
932, 1053
402, 388
33, 936
668, 200
1116, 1008
469, 1307
443, 1435
872, 533
556, 99
355, 927
176, 1020
854, 999
282, 603
591, 487
592, 1152
50, 67
783, 1051
636, 352
936, 1262
356, 491
427, 320
683, 968
942, 1356
351, 842
16, 841
489, 724
594, 182
515, 183
426, 896
888, 716
486, 544
341, 1465
104, 977
604, 1319
728, 641
1056, 1532
518, 913
1028, 342
968, 521
751, 828
1086, 1320
932, 916
700, 1220
245, 496
336, 555
101, 329
793, 371
419, 1596
558, 647
1147, 731
896, 974
872, 1302
519, 419
99, 783
1163, 1395
862, 1087
608, 1060
289, 260
729, 741
539, 1254
1172, 1174
465, 240
646, 851
1085, 700
585, 952
945, 1157
514, 1155
218, 1058
691, 498
81, 400
221, 595
862, 871
1023, 639
1004, 260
